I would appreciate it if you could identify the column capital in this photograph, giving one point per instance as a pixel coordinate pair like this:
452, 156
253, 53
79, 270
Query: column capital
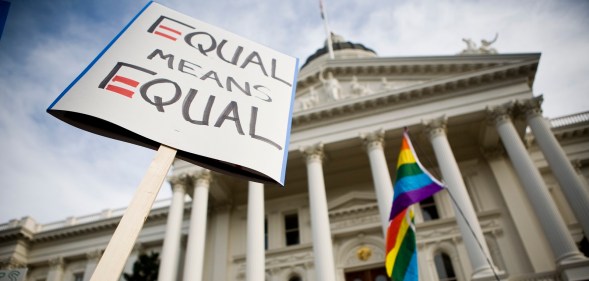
373, 140
201, 177
94, 255
179, 181
435, 127
531, 107
500, 114
56, 262
313, 153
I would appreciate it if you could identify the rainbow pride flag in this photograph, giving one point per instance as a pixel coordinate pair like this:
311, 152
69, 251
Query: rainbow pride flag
413, 185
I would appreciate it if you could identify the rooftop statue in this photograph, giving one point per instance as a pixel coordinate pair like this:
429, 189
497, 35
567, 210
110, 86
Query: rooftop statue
485, 48
471, 47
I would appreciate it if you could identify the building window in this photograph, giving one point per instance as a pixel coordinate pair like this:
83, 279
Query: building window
444, 267
291, 229
79, 276
265, 234
373, 274
429, 209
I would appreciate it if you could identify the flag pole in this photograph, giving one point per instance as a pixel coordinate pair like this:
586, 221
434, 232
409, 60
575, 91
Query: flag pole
474, 235
327, 33
462, 215
117, 251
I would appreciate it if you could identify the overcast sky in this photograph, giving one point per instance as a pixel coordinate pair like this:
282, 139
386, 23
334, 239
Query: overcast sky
50, 170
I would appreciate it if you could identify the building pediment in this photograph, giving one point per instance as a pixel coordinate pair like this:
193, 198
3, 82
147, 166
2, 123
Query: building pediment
352, 202
341, 89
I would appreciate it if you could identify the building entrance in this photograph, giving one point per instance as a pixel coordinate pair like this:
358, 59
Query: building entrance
373, 274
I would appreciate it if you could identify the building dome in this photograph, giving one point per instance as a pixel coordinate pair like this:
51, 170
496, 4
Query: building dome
341, 49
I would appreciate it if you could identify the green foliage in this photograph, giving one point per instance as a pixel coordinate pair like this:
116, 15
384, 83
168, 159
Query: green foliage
146, 268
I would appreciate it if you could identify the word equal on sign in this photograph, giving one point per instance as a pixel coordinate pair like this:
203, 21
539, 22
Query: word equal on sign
165, 30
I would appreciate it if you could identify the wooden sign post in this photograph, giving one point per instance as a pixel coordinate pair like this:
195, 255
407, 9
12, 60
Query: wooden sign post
113, 260
192, 91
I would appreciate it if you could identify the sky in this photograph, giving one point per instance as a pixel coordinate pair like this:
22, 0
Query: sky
50, 170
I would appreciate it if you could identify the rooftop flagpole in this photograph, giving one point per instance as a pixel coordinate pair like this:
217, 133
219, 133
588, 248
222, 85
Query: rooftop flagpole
327, 33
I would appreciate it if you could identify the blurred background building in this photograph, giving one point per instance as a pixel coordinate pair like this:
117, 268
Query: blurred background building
519, 208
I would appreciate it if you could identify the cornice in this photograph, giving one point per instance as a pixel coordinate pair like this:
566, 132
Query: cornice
571, 127
75, 230
423, 91
428, 65
571, 133
16, 233
108, 224
566, 128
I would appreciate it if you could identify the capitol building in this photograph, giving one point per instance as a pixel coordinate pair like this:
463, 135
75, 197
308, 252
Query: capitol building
516, 206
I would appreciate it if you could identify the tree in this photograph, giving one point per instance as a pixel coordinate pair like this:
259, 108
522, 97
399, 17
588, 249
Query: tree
146, 268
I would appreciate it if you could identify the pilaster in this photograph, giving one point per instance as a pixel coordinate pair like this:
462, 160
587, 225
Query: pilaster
92, 257
56, 266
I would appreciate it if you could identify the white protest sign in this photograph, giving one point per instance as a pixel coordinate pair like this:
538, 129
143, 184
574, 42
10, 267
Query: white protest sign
222, 101
16, 274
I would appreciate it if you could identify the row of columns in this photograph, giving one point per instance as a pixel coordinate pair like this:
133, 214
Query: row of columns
560, 241
195, 249
552, 224
194, 260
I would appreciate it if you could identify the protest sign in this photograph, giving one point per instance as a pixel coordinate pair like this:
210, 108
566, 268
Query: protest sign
222, 101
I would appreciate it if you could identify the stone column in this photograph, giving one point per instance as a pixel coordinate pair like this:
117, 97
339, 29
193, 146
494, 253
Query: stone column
195, 250
321, 231
481, 268
93, 257
573, 188
560, 240
171, 248
220, 243
383, 186
55, 269
255, 256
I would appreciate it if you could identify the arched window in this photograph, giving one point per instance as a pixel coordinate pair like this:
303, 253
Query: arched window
295, 278
444, 267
